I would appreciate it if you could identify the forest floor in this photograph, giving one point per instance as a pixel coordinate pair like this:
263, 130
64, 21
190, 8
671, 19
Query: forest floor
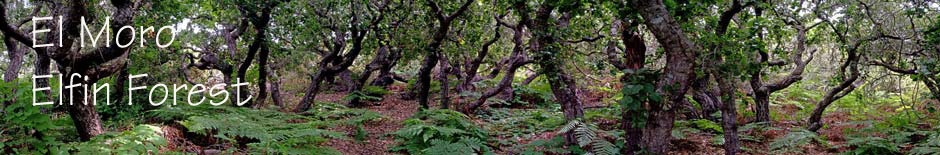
395, 110
379, 133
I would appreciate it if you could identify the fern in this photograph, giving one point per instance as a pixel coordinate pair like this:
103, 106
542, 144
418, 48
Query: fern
587, 137
270, 132
441, 132
357, 95
368, 93
872, 145
143, 139
931, 146
537, 147
794, 140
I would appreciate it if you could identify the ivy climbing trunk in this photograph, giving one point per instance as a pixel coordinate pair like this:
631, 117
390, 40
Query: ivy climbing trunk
631, 59
546, 52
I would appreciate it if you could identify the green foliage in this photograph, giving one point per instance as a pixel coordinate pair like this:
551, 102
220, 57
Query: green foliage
699, 125
24, 128
542, 146
275, 132
707, 125
680, 132
931, 146
588, 137
869, 103
441, 132
639, 90
872, 145
368, 93
511, 125
795, 140
932, 35
413, 86
538, 94
747, 131
795, 95
143, 139
119, 114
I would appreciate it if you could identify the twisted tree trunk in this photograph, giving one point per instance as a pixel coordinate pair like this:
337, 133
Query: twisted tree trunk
680, 58
262, 76
517, 59
545, 46
433, 50
632, 58
15, 54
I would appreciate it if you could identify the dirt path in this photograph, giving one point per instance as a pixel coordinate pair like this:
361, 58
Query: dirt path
394, 110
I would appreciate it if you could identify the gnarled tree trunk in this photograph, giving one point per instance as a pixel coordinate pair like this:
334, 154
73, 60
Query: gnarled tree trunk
545, 46
517, 59
433, 50
15, 54
680, 60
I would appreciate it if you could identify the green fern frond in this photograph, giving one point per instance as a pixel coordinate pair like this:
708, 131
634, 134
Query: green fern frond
441, 132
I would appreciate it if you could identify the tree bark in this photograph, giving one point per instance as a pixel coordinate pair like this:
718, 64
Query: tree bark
98, 63
262, 76
424, 76
385, 76
445, 83
433, 50
707, 98
814, 123
680, 58
41, 67
848, 84
276, 89
761, 106
544, 44
472, 66
15, 54
633, 58
381, 58
312, 90
328, 68
761, 92
517, 59
81, 109
260, 24
728, 113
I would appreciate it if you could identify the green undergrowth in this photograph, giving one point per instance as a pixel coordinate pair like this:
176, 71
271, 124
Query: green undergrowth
441, 132
142, 139
511, 125
269, 131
